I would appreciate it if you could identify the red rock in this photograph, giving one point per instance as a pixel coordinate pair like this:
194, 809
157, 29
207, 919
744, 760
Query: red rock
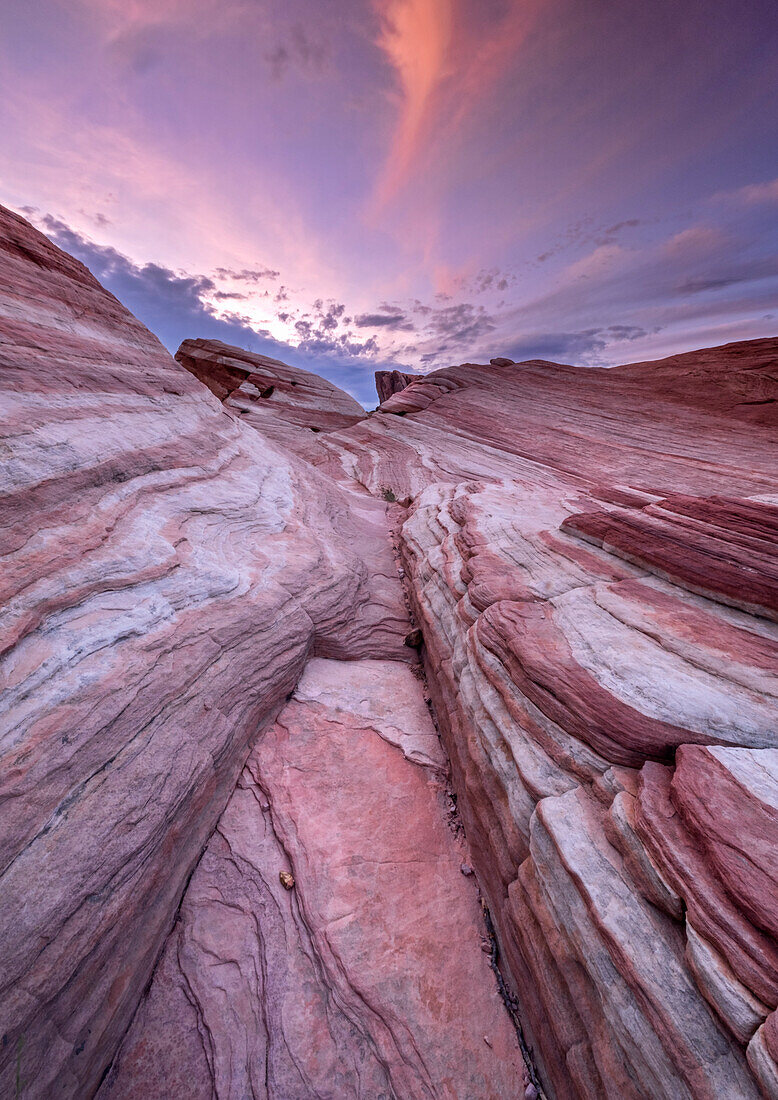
555, 651
388, 382
727, 549
590, 558
289, 405
166, 575
348, 986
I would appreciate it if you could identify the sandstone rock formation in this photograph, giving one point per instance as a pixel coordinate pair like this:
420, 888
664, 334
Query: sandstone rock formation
288, 405
591, 556
347, 985
167, 573
231, 855
388, 382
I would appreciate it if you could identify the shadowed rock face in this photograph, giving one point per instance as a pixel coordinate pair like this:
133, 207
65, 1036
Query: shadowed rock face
206, 685
388, 382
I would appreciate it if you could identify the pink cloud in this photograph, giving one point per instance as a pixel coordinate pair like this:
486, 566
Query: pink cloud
416, 38
446, 60
759, 192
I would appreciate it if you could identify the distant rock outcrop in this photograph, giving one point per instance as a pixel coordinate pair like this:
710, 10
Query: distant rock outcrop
388, 382
287, 404
500, 361
236, 860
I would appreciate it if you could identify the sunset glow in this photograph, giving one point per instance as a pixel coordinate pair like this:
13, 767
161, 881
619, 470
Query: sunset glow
405, 183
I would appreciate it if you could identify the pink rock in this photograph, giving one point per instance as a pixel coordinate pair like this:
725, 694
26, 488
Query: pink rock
367, 979
288, 405
562, 653
166, 574
727, 549
388, 382
590, 557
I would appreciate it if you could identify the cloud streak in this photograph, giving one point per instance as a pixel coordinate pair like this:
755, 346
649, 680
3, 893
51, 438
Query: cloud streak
406, 182
416, 38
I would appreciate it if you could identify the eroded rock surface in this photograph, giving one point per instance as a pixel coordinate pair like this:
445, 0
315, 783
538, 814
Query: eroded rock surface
591, 557
166, 575
205, 676
286, 404
388, 382
346, 985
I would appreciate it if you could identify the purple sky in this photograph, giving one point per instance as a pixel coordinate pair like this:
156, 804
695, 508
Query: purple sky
356, 184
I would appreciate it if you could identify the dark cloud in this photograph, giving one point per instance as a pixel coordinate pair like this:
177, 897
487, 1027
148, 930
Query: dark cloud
630, 223
452, 332
748, 271
170, 303
463, 322
388, 317
493, 279
247, 274
571, 347
324, 332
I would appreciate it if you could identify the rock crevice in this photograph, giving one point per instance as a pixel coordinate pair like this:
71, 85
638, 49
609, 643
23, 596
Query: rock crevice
227, 866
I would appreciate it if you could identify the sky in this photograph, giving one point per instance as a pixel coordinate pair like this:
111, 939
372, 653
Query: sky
355, 185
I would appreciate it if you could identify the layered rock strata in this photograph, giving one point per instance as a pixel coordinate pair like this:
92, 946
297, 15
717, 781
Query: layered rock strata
167, 574
388, 382
205, 676
287, 405
591, 556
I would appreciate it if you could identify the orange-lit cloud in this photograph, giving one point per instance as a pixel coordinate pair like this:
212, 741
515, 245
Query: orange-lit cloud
445, 61
416, 38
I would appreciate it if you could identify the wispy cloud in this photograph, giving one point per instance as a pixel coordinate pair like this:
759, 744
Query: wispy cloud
445, 60
753, 194
416, 37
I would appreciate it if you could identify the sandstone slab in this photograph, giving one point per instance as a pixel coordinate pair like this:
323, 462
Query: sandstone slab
367, 979
289, 405
166, 574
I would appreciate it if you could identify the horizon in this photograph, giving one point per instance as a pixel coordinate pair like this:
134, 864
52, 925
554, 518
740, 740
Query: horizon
342, 188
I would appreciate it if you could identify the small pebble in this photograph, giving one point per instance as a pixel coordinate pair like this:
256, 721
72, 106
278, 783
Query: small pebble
287, 879
530, 1093
466, 869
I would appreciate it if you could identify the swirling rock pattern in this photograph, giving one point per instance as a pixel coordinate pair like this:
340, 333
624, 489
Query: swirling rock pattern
167, 574
205, 685
591, 557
